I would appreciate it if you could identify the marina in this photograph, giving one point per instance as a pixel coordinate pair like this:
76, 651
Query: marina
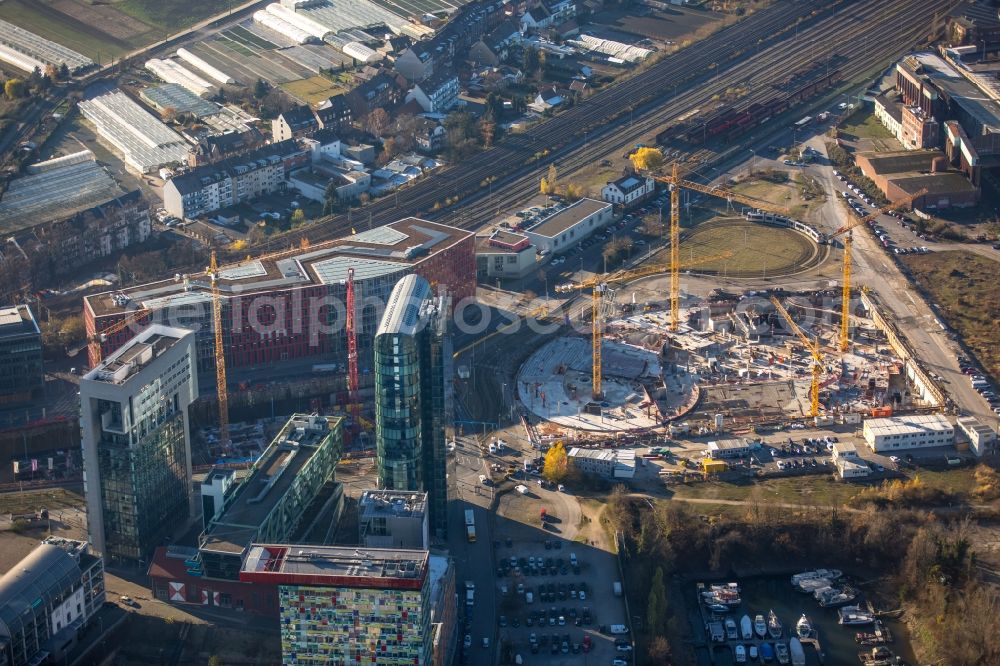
776, 622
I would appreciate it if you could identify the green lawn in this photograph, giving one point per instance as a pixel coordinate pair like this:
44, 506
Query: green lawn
864, 125
173, 15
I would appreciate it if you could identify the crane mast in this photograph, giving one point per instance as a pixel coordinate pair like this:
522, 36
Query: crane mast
845, 303
220, 354
352, 351
675, 183
812, 345
675, 251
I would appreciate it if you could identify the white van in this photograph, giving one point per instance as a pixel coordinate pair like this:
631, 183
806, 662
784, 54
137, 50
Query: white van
618, 629
483, 479
529, 597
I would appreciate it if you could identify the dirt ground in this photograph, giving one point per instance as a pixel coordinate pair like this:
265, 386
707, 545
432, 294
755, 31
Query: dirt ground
663, 26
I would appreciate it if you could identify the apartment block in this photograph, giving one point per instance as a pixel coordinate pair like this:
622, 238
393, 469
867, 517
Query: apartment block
209, 187
136, 447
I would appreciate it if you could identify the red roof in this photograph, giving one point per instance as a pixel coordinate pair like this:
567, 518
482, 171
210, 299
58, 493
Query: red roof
166, 567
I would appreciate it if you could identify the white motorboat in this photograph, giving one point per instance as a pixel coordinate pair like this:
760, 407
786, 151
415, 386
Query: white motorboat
731, 631
760, 626
803, 627
854, 615
741, 654
830, 574
773, 624
753, 653
798, 655
810, 585
781, 651
746, 627
834, 597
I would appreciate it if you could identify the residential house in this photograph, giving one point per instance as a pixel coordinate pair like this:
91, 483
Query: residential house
334, 113
498, 79
216, 147
561, 10
296, 122
493, 48
437, 93
628, 191
547, 98
382, 91
416, 63
535, 19
429, 135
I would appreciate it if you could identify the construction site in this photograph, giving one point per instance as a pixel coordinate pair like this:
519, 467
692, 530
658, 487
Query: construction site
700, 359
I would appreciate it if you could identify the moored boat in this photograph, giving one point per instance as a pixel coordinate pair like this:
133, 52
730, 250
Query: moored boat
833, 597
831, 574
781, 652
741, 654
810, 585
803, 627
746, 627
796, 652
766, 652
753, 653
718, 608
760, 626
774, 627
854, 615
731, 632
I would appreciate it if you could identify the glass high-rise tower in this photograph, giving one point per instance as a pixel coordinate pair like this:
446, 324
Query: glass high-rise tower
413, 395
136, 446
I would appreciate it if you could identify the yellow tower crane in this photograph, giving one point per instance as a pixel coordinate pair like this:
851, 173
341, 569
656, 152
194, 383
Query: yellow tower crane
598, 286
813, 347
675, 183
220, 353
845, 288
96, 353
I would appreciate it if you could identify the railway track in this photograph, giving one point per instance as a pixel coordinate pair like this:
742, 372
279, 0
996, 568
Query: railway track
594, 129
636, 96
826, 37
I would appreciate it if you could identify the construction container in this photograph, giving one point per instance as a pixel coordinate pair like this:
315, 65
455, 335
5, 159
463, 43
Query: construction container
713, 466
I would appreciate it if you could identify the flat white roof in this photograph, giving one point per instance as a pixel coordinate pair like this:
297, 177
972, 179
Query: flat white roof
908, 425
724, 444
593, 454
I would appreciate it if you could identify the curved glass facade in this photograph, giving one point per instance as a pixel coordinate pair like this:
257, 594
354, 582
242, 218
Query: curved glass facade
398, 431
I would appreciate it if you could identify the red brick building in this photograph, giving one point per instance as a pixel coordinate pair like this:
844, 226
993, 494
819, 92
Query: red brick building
290, 305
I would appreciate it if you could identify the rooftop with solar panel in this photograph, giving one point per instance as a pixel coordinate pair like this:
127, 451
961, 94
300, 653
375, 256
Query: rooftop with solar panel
381, 252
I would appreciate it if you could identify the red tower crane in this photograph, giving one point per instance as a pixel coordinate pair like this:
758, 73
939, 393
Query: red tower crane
352, 352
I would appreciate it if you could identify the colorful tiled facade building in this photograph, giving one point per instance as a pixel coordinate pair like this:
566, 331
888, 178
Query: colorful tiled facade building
348, 606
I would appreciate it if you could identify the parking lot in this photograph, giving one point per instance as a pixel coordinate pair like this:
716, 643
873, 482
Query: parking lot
557, 604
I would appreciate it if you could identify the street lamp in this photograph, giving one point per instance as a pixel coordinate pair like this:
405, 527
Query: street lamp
753, 160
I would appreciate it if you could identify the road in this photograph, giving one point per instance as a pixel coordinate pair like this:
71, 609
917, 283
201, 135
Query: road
473, 561
874, 267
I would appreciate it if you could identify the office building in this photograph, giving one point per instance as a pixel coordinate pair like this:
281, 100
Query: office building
288, 494
271, 503
898, 433
505, 254
348, 605
22, 378
982, 438
46, 600
560, 228
393, 519
281, 308
413, 395
136, 447
603, 463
